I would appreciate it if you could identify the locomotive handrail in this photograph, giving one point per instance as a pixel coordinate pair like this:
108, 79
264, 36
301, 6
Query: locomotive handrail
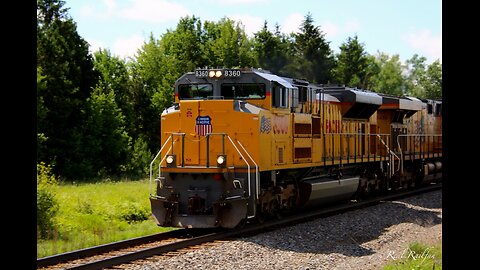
348, 135
155, 158
256, 173
244, 160
391, 154
256, 169
412, 135
159, 153
248, 165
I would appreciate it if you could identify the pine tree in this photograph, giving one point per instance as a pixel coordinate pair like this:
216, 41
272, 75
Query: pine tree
352, 63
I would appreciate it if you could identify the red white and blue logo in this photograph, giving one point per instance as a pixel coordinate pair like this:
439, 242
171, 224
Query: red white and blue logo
203, 125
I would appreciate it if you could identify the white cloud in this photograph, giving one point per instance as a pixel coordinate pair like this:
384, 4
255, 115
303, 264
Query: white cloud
154, 11
351, 26
332, 29
427, 44
111, 4
252, 24
127, 47
238, 2
95, 45
92, 11
292, 23
87, 11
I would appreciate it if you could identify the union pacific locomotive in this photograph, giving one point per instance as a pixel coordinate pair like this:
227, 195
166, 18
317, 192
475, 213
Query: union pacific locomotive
246, 144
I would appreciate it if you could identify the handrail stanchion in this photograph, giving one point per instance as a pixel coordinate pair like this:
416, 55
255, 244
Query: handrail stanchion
151, 163
160, 152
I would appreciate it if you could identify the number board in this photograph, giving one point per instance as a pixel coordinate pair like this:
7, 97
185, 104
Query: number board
232, 73
227, 73
201, 73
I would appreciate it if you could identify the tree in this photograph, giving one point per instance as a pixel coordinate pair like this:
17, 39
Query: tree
113, 76
49, 11
270, 49
352, 63
185, 43
140, 160
415, 73
227, 45
371, 71
422, 80
432, 81
389, 79
41, 114
67, 67
104, 146
153, 74
313, 56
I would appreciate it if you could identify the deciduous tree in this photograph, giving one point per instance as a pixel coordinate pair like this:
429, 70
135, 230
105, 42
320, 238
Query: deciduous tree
415, 72
389, 79
432, 81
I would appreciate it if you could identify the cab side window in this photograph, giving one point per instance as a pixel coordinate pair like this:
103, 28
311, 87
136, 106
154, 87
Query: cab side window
279, 96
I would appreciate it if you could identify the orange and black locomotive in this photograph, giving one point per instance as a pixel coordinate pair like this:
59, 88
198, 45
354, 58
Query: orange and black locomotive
241, 144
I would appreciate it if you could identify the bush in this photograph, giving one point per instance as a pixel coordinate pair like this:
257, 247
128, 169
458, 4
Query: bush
47, 205
132, 211
141, 158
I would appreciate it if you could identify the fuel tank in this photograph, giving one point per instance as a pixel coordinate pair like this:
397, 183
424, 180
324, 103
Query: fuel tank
324, 190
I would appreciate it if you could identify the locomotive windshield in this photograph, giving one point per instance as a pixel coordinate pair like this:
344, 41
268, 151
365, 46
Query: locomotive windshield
195, 91
243, 91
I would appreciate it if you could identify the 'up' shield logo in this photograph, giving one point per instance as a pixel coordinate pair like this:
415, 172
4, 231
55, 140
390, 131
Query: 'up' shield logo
203, 125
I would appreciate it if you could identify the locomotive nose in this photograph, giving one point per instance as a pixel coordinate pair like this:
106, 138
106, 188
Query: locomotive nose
199, 200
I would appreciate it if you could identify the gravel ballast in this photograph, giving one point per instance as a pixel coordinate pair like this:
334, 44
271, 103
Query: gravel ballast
362, 239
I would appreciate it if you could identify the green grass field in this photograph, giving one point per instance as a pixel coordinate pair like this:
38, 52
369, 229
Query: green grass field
99, 213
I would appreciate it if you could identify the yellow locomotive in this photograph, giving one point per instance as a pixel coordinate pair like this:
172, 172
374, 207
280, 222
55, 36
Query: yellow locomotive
240, 144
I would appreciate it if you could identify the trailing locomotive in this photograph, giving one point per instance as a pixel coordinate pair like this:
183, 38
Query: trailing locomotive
242, 144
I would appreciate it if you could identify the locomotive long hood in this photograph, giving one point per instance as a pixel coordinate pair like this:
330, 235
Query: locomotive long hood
355, 103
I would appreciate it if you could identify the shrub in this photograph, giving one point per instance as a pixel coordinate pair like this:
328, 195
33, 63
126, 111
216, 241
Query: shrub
47, 205
132, 211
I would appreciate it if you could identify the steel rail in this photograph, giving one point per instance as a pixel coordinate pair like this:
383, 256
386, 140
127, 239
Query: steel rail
91, 251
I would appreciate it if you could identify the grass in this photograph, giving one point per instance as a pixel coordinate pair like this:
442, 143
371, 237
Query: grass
418, 257
98, 213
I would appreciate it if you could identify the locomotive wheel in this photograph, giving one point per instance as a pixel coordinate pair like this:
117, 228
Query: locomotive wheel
241, 224
260, 218
276, 211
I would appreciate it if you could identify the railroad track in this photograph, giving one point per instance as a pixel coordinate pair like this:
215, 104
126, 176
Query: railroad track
122, 252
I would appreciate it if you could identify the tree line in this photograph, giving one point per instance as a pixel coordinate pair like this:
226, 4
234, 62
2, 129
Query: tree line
98, 115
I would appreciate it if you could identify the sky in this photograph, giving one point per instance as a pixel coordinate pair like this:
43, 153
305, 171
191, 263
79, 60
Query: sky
403, 27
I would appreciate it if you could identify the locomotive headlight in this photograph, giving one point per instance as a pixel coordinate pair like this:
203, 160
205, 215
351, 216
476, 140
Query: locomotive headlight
211, 73
218, 74
221, 160
170, 160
